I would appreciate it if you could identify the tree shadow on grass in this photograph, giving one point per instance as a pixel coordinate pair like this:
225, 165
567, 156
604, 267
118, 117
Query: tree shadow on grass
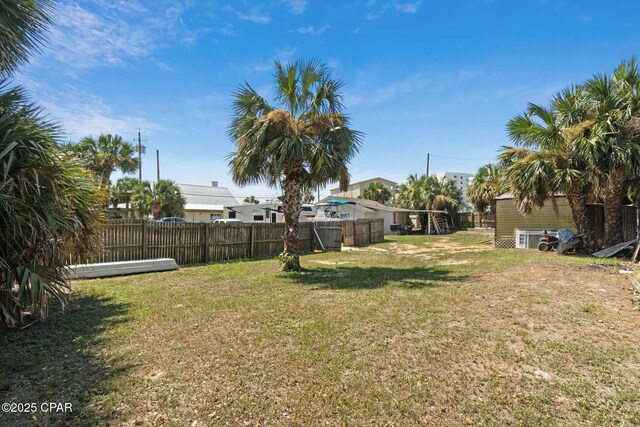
355, 278
56, 361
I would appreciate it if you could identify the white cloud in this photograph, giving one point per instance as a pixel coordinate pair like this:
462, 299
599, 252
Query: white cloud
381, 94
228, 29
93, 33
313, 30
408, 7
297, 6
253, 15
81, 113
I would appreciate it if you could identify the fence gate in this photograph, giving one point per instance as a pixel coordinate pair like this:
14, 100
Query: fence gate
327, 235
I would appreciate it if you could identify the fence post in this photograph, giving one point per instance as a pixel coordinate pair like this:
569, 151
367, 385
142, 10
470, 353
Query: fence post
370, 232
205, 243
144, 239
252, 238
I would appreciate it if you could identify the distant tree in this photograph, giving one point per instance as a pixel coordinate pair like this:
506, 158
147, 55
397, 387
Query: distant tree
163, 199
305, 143
429, 193
378, 192
251, 199
307, 197
122, 192
106, 154
487, 184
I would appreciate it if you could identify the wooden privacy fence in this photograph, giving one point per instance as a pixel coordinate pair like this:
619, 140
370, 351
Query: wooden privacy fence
630, 219
474, 220
202, 243
359, 232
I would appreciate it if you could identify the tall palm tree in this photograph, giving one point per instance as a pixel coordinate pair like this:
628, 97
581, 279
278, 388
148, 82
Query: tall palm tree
547, 159
305, 143
106, 154
615, 152
487, 185
49, 209
23, 28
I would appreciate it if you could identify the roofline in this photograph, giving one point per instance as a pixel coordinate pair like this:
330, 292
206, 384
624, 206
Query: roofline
364, 180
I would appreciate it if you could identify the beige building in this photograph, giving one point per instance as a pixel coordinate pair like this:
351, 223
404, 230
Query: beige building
356, 189
206, 203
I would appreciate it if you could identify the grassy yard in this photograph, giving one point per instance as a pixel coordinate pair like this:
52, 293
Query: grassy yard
435, 330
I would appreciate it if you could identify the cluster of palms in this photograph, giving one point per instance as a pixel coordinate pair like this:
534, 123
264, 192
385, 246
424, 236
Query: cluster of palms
109, 153
429, 193
378, 192
49, 203
585, 144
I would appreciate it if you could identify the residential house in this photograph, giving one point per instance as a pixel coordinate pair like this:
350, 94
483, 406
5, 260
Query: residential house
206, 203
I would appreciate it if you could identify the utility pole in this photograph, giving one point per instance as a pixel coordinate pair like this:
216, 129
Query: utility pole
139, 156
427, 165
158, 163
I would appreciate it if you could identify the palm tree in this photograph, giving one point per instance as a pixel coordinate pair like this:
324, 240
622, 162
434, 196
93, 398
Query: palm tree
610, 142
163, 199
487, 185
308, 197
305, 143
251, 200
547, 159
378, 192
23, 27
106, 154
49, 209
122, 192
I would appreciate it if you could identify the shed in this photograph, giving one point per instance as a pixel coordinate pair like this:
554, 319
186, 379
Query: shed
509, 218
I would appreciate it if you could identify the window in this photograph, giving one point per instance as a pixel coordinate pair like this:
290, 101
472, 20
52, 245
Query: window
215, 216
232, 214
258, 217
307, 209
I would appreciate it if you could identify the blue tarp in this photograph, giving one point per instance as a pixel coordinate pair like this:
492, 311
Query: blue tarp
565, 235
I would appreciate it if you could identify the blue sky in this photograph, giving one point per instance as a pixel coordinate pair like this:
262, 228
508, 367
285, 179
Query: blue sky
421, 76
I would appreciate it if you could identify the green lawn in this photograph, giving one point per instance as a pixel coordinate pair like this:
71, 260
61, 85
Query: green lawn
417, 330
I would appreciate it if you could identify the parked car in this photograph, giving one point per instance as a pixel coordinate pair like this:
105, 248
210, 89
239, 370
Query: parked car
170, 219
227, 221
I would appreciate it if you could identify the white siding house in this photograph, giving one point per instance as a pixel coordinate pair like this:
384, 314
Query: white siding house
206, 203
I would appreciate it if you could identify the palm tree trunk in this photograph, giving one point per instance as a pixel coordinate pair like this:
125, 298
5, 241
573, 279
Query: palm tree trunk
292, 205
577, 195
613, 194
